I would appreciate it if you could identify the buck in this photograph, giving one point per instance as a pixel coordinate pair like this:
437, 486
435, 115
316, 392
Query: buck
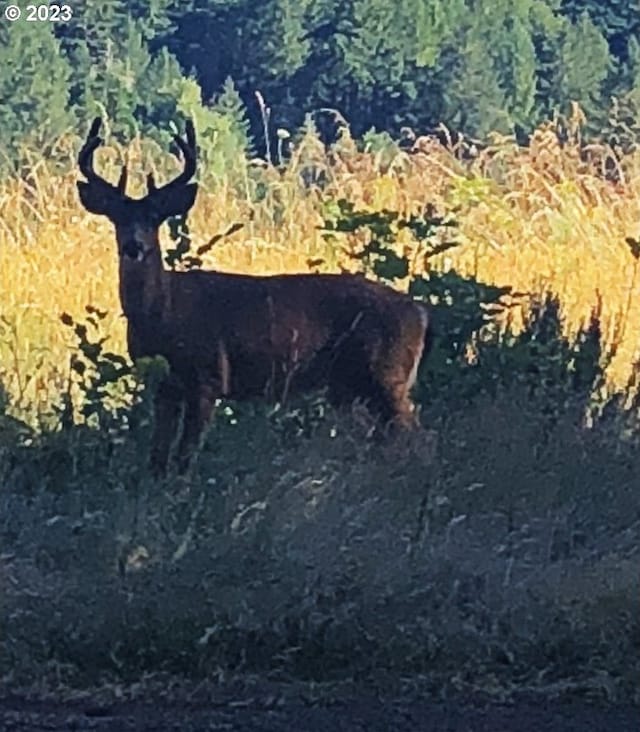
241, 336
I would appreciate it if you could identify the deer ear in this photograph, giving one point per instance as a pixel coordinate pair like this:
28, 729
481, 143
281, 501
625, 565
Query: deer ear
168, 203
97, 200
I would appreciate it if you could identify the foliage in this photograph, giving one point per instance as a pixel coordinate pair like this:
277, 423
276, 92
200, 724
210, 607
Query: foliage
122, 71
34, 77
579, 81
469, 355
279, 502
528, 218
223, 131
378, 255
114, 395
106, 41
496, 551
618, 20
476, 65
482, 66
96, 372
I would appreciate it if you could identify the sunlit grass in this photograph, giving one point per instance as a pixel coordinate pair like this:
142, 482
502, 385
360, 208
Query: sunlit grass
536, 219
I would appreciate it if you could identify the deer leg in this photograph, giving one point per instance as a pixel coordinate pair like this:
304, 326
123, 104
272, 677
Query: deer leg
391, 405
395, 406
199, 409
396, 377
401, 409
167, 408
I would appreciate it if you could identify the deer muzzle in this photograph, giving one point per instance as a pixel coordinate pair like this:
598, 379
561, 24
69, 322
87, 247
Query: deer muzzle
133, 249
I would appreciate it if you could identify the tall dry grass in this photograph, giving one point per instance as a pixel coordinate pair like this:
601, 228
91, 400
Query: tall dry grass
540, 218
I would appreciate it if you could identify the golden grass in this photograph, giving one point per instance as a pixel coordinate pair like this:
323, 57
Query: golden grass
536, 219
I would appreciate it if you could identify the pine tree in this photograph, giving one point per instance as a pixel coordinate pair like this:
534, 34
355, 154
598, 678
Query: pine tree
546, 35
617, 20
585, 64
515, 62
107, 42
475, 103
283, 47
622, 130
34, 79
223, 138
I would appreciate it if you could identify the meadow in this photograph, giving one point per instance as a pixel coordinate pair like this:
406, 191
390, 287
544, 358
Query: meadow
495, 552
546, 218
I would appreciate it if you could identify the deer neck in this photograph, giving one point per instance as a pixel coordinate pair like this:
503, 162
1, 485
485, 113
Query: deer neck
144, 289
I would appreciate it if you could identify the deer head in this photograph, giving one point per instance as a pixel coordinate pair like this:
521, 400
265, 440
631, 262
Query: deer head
137, 221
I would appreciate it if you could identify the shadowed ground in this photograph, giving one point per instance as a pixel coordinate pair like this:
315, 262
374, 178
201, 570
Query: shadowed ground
326, 583
266, 710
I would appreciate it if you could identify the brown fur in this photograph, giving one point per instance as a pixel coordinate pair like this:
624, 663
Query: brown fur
243, 336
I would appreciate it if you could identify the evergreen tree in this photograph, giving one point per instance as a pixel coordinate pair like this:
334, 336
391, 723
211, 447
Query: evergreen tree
633, 65
325, 79
622, 130
222, 127
546, 35
474, 100
585, 64
34, 79
215, 40
515, 61
617, 20
107, 42
478, 65
284, 48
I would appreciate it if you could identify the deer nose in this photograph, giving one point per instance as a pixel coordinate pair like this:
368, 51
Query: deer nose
132, 249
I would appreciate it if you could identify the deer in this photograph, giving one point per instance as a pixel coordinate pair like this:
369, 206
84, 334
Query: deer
240, 336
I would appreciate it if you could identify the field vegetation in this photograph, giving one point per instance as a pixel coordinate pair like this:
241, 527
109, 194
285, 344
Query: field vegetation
546, 218
494, 551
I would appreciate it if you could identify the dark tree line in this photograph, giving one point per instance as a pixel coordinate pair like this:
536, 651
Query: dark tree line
476, 65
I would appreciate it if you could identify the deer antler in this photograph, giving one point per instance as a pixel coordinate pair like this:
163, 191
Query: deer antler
188, 150
85, 161
85, 156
